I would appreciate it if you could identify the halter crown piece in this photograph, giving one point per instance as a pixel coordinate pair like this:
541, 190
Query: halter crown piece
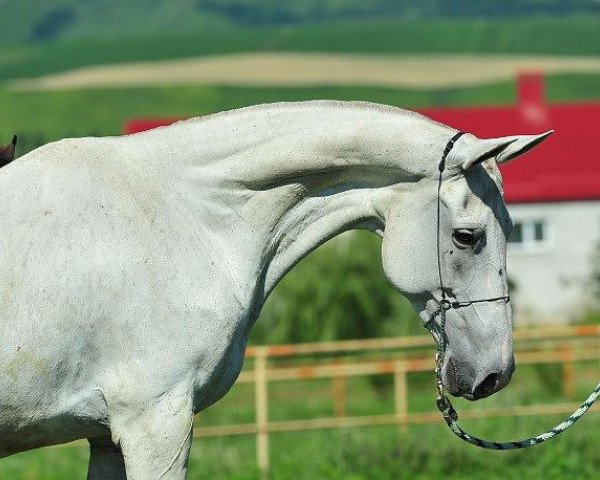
439, 333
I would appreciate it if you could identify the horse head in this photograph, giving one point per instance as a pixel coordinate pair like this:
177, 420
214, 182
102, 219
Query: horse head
462, 240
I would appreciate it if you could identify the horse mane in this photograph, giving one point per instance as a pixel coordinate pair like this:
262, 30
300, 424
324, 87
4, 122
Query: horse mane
328, 104
7, 152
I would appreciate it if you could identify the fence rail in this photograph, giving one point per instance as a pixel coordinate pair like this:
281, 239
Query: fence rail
553, 332
563, 345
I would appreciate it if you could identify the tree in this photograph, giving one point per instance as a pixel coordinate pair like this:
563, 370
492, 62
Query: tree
337, 292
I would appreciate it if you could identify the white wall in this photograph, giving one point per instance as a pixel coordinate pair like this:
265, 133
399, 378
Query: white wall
551, 276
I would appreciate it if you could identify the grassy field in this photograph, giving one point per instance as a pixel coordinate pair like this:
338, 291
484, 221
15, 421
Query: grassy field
566, 36
303, 70
422, 452
39, 117
425, 452
34, 21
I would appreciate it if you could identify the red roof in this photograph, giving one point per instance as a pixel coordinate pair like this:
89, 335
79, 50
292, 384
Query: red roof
564, 167
136, 125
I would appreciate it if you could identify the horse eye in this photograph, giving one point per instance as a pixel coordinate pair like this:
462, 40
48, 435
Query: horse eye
464, 237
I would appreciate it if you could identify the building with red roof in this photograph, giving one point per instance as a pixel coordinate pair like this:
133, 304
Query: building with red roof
553, 194
562, 168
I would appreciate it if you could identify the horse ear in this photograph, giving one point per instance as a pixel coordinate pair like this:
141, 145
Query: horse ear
502, 149
7, 152
522, 144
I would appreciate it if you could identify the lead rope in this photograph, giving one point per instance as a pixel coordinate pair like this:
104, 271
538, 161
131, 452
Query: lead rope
439, 332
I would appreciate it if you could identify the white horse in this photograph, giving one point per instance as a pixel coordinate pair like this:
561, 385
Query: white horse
133, 268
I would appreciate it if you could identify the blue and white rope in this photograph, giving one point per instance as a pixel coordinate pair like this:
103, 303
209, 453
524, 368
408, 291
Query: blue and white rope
451, 417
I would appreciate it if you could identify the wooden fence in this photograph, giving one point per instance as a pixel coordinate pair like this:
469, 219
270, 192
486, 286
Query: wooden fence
562, 345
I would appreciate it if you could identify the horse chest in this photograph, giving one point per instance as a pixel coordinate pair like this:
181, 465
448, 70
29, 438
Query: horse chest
218, 370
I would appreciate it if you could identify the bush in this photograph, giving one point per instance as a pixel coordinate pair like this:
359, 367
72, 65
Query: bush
338, 292
595, 280
54, 23
592, 314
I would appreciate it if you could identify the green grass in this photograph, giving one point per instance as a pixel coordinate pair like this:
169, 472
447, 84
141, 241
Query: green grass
39, 117
43, 116
424, 452
548, 36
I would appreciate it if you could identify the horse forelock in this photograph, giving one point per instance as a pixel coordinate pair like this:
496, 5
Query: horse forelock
491, 167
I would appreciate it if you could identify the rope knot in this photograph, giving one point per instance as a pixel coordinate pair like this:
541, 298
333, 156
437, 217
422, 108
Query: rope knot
446, 408
445, 304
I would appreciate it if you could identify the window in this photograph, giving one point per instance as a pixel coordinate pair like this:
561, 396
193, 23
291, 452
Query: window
528, 235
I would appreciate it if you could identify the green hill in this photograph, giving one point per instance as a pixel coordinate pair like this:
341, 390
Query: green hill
571, 36
33, 21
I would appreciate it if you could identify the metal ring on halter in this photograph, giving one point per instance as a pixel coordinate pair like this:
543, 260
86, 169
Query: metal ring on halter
445, 304
439, 333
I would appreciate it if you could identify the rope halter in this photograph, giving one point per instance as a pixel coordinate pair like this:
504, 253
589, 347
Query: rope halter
438, 331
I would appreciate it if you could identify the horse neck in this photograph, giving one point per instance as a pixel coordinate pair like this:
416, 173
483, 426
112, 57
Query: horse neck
318, 216
286, 178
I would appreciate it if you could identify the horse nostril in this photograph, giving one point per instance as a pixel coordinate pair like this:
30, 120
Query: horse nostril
511, 367
487, 387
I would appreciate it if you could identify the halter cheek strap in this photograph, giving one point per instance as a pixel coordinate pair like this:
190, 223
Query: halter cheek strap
449, 147
445, 303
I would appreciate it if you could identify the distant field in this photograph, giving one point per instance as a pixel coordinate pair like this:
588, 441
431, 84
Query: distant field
39, 117
35, 20
43, 116
539, 36
313, 69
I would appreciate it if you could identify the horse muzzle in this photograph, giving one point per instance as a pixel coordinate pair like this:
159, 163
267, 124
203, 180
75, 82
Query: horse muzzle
461, 381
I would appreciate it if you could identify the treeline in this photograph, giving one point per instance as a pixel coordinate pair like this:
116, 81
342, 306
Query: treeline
51, 20
261, 12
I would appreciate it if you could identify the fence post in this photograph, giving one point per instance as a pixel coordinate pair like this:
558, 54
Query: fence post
598, 344
262, 412
400, 394
339, 396
568, 371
